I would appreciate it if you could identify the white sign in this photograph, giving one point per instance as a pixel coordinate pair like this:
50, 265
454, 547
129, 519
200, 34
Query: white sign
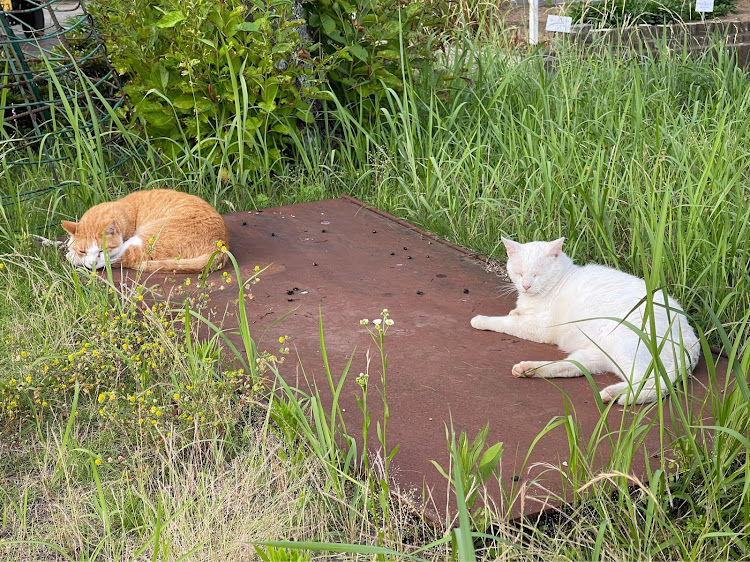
561, 24
704, 6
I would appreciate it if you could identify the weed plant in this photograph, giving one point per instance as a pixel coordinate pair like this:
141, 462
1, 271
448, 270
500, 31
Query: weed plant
642, 162
614, 13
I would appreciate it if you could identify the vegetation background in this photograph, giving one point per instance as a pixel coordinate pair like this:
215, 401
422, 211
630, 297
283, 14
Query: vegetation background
126, 437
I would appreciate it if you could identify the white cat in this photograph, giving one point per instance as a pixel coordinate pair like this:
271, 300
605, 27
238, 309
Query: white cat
580, 309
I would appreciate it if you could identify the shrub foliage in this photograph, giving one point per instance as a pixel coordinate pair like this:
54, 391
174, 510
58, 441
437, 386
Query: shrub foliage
240, 72
192, 66
369, 37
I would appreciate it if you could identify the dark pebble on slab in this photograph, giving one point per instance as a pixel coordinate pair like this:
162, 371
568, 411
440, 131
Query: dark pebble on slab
466, 291
516, 478
393, 253
273, 234
290, 300
290, 292
315, 264
441, 276
405, 248
244, 223
420, 293
323, 230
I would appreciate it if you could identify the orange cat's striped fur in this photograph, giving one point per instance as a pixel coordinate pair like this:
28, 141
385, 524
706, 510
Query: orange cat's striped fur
155, 230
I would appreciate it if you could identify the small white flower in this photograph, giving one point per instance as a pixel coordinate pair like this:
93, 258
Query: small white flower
385, 311
364, 322
377, 321
389, 322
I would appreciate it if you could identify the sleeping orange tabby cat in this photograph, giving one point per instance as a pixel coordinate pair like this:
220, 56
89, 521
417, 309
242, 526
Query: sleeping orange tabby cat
155, 230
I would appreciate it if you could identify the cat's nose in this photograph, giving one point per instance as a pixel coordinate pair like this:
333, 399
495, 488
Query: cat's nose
526, 285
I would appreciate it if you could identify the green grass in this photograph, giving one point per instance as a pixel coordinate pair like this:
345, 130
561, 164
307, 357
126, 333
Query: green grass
642, 163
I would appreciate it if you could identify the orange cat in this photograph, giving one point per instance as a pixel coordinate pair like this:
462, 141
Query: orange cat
155, 230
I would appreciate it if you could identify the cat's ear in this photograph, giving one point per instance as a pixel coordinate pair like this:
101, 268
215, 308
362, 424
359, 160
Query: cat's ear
510, 246
555, 247
111, 229
70, 227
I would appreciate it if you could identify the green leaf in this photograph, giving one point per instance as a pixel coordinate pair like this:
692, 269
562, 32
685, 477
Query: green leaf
305, 115
270, 91
489, 461
366, 89
248, 26
282, 48
282, 129
390, 80
160, 76
252, 124
157, 118
440, 470
170, 19
146, 105
314, 19
347, 7
359, 51
462, 533
388, 54
184, 101
203, 104
269, 105
329, 25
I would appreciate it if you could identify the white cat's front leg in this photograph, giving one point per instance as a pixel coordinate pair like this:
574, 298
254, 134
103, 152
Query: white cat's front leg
492, 323
519, 325
530, 369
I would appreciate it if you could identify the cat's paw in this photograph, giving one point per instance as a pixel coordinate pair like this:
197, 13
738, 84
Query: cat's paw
614, 392
479, 322
524, 369
514, 312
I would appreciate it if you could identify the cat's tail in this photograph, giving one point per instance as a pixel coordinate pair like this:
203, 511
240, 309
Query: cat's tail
184, 265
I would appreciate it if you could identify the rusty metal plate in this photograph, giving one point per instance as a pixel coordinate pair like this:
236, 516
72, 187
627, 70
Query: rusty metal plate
345, 261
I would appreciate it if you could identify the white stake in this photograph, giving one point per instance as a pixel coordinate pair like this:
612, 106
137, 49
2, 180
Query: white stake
533, 22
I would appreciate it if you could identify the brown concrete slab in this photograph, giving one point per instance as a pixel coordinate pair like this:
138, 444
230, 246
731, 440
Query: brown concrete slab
338, 258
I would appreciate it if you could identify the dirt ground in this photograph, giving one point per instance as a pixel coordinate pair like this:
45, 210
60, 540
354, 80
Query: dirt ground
517, 18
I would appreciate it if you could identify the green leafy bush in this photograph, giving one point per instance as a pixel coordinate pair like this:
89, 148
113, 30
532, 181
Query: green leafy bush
614, 13
236, 77
369, 38
213, 72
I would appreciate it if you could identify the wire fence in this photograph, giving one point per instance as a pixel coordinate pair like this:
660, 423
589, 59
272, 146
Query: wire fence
56, 88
